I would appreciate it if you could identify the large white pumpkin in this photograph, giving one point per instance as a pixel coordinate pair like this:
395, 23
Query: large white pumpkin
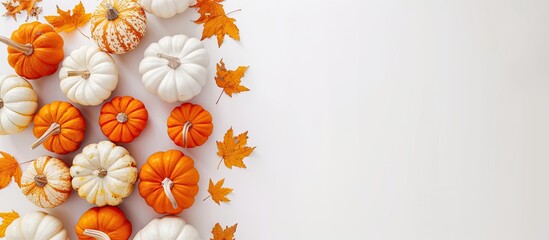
18, 103
88, 76
175, 68
103, 174
36, 226
168, 228
165, 8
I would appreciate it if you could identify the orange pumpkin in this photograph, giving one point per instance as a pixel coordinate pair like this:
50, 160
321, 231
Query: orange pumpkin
168, 182
117, 26
189, 125
34, 50
60, 127
123, 118
103, 223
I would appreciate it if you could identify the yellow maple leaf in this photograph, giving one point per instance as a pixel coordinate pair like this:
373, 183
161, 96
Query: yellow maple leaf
9, 168
14, 7
223, 234
220, 26
218, 192
8, 218
233, 150
66, 22
230, 80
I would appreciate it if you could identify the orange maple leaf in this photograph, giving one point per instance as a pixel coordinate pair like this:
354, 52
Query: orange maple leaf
233, 150
218, 192
9, 168
230, 80
14, 7
66, 22
7, 219
215, 21
223, 234
208, 9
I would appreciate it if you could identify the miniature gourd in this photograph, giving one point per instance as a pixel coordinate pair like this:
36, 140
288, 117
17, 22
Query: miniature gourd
59, 127
34, 50
18, 104
175, 68
168, 182
46, 182
103, 173
103, 223
165, 8
168, 228
123, 118
117, 26
88, 76
32, 226
189, 125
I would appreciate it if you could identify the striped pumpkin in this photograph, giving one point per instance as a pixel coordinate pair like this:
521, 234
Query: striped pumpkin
117, 26
46, 182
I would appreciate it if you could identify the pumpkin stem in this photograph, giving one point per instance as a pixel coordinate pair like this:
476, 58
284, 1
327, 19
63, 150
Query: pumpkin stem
168, 184
1, 103
122, 117
40, 180
101, 172
55, 128
188, 125
96, 234
26, 49
111, 12
173, 61
84, 74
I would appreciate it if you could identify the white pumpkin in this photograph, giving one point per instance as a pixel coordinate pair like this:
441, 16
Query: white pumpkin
175, 68
18, 103
165, 8
88, 76
168, 228
103, 174
36, 226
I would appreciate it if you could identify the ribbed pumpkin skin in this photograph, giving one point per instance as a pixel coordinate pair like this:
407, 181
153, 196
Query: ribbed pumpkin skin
19, 104
48, 50
58, 187
31, 227
202, 126
73, 126
168, 228
122, 34
118, 131
108, 219
177, 167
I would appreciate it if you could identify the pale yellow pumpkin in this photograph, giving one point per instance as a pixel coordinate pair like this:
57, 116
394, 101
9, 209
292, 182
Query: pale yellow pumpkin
46, 182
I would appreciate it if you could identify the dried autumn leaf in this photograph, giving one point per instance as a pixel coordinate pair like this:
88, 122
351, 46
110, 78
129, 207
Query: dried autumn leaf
8, 218
66, 22
9, 168
230, 80
223, 234
14, 7
233, 150
208, 9
218, 192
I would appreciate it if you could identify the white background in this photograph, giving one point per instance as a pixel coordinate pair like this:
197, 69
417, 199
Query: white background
391, 119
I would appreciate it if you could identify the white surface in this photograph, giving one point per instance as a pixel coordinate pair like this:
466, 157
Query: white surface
387, 119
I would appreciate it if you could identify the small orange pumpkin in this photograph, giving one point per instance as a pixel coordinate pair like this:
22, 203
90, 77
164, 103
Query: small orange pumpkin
34, 50
189, 125
117, 26
60, 127
168, 182
103, 223
123, 118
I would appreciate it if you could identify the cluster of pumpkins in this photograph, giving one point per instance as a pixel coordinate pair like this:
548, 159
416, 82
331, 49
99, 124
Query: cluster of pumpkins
173, 68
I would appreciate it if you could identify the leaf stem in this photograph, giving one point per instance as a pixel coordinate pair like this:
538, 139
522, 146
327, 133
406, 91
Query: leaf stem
207, 197
77, 28
219, 98
220, 163
237, 10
